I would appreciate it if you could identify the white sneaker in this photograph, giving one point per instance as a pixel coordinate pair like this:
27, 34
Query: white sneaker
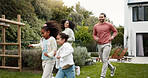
78, 70
102, 77
113, 71
52, 76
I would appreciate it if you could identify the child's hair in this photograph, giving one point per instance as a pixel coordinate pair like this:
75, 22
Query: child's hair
52, 26
64, 36
71, 24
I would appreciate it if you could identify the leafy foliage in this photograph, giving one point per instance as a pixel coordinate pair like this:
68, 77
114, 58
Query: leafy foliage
13, 7
119, 39
34, 13
42, 9
83, 35
76, 18
80, 55
32, 58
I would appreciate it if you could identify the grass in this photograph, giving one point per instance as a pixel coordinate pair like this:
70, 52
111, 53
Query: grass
124, 70
17, 74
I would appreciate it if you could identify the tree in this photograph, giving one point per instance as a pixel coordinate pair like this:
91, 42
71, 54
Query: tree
42, 9
59, 10
79, 14
91, 21
83, 11
13, 7
119, 39
76, 18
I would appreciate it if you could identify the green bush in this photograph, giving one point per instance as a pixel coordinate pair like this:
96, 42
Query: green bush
94, 54
80, 55
32, 57
82, 34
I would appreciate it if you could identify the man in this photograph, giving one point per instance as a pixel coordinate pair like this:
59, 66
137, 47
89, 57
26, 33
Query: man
102, 34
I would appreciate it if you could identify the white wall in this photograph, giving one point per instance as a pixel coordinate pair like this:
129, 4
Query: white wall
137, 0
131, 28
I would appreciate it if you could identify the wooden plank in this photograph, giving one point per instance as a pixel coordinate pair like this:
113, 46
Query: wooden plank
3, 40
8, 67
12, 22
19, 42
2, 55
9, 43
5, 25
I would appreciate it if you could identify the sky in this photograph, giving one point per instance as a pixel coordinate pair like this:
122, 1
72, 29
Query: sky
114, 9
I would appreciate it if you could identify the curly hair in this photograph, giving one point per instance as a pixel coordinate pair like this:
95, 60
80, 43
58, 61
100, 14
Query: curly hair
62, 23
63, 36
53, 27
71, 24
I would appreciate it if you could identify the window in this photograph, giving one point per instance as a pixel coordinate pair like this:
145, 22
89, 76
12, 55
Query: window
140, 13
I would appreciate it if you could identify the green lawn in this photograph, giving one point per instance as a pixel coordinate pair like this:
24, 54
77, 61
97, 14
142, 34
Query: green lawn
17, 74
123, 70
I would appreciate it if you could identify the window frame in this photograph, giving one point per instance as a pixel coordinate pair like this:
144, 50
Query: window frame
135, 10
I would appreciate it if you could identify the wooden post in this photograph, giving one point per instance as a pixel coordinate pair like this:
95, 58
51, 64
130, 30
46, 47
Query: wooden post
19, 42
3, 41
3, 55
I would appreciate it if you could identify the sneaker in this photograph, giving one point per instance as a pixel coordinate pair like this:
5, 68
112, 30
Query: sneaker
113, 71
52, 76
102, 77
78, 70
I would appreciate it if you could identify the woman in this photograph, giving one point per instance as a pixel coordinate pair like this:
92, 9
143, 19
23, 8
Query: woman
68, 27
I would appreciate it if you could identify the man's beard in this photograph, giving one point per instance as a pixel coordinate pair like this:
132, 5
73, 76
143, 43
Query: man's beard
101, 21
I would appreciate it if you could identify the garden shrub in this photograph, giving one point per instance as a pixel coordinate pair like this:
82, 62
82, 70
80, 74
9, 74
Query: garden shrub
82, 34
80, 55
94, 54
32, 57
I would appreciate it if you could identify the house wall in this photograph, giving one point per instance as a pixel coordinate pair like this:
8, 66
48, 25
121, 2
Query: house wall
136, 0
131, 28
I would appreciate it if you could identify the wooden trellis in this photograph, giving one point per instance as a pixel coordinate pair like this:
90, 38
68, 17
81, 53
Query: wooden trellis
5, 23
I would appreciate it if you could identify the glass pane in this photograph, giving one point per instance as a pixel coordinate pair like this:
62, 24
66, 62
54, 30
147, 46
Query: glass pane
135, 13
146, 13
141, 14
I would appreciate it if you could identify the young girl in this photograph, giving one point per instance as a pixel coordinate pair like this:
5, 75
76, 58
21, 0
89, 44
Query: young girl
68, 27
48, 44
64, 56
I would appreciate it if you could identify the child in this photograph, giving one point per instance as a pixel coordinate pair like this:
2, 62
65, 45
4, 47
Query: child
49, 46
64, 61
68, 27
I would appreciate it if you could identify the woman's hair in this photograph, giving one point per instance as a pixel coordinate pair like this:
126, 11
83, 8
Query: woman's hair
71, 24
62, 23
63, 36
53, 27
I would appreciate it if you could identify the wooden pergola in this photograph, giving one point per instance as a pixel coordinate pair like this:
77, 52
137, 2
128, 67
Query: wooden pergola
3, 55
